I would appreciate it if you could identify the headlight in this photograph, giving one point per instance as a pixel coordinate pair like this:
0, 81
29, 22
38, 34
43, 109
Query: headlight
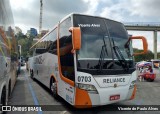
87, 87
132, 84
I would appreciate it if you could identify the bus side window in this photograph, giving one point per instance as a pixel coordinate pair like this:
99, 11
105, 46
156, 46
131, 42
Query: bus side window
52, 48
66, 57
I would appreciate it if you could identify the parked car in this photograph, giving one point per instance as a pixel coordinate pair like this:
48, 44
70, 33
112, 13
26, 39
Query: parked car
22, 61
149, 76
146, 71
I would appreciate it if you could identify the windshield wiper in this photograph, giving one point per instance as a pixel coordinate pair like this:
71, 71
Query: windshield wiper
120, 57
102, 56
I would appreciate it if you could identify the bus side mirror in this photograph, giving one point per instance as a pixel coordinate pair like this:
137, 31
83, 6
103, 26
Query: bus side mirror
76, 38
144, 41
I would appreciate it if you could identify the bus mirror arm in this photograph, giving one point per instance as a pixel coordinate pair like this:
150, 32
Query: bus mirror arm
144, 41
76, 38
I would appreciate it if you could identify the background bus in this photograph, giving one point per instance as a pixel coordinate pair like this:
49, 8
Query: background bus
87, 60
8, 52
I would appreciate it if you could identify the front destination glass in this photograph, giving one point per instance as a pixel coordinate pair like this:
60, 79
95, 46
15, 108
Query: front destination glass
102, 50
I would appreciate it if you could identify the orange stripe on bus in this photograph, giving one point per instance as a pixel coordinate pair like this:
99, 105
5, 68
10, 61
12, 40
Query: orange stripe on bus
82, 99
134, 92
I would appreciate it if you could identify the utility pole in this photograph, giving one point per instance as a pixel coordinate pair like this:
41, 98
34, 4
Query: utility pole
40, 19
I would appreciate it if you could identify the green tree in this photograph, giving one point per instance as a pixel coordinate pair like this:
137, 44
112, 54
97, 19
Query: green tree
25, 43
145, 57
158, 55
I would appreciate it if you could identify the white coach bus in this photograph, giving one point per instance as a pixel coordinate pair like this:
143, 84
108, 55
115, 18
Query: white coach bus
87, 60
8, 52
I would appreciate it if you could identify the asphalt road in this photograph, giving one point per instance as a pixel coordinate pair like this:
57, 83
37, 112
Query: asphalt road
31, 92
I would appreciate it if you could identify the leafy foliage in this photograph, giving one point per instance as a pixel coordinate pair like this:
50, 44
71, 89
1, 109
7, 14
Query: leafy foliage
148, 56
25, 43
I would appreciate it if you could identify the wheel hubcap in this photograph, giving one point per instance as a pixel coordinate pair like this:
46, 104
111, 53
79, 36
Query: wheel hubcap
53, 88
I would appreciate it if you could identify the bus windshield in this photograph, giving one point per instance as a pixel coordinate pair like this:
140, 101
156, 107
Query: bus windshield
102, 44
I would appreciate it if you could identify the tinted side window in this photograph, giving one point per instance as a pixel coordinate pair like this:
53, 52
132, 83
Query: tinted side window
49, 43
52, 47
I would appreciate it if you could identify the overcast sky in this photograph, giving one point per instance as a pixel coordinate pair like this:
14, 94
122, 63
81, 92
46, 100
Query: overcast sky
26, 12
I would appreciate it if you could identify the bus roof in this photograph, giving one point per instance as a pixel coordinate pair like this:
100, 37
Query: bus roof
69, 15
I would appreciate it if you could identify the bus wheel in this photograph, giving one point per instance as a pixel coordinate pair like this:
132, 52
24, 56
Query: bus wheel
3, 98
32, 74
53, 88
9, 89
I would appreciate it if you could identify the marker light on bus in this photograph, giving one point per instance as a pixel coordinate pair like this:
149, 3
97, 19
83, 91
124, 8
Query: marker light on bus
87, 87
132, 84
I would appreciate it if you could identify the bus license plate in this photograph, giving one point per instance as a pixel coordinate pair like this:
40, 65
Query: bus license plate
114, 97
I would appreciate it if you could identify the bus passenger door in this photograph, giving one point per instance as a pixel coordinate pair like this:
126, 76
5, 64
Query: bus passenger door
66, 57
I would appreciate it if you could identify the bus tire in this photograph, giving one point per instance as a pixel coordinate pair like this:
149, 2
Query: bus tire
53, 88
32, 74
9, 89
3, 98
